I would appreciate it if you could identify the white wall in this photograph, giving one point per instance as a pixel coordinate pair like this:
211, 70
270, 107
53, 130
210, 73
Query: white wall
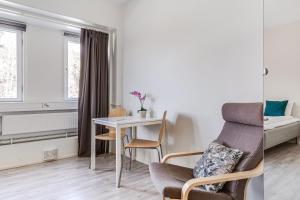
191, 57
280, 12
17, 155
281, 57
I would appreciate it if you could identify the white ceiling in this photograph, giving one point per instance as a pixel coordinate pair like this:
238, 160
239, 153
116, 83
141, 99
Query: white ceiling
279, 12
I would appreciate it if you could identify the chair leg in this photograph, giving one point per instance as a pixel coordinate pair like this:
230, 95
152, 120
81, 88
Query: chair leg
125, 163
130, 158
122, 154
105, 148
130, 151
158, 153
127, 141
127, 138
161, 153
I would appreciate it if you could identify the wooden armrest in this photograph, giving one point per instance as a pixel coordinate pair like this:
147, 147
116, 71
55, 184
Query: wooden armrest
180, 154
189, 185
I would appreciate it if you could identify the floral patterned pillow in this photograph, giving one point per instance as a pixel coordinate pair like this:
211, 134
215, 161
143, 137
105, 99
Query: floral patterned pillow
216, 160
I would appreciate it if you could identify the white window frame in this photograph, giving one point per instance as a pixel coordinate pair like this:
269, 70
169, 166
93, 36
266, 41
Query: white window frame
20, 65
67, 39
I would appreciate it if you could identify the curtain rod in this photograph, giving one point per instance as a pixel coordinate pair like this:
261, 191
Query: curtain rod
18, 9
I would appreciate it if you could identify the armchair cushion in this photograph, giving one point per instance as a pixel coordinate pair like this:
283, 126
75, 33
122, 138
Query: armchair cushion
169, 180
216, 160
243, 113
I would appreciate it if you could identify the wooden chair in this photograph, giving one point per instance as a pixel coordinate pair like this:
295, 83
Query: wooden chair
148, 144
111, 135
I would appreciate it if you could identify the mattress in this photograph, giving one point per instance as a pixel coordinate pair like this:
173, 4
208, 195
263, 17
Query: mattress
274, 122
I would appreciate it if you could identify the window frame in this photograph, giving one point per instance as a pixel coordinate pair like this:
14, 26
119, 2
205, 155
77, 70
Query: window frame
66, 64
20, 65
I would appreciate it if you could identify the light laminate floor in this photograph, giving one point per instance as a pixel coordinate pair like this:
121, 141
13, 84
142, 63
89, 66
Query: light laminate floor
282, 172
70, 179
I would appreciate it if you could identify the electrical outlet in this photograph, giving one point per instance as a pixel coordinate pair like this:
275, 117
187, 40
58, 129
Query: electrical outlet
50, 155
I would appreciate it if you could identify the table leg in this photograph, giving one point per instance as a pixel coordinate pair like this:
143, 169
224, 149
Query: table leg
118, 157
93, 146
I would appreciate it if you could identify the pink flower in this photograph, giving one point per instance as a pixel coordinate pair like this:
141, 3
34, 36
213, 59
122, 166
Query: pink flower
140, 98
136, 93
143, 98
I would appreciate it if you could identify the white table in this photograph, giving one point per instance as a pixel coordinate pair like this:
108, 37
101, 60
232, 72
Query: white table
118, 123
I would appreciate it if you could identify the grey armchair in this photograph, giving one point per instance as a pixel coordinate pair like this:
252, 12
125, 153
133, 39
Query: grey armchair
243, 129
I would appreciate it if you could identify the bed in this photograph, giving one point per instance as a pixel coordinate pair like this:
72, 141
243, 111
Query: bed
280, 129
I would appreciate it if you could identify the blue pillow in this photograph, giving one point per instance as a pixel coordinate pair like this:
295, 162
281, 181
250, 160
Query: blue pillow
275, 108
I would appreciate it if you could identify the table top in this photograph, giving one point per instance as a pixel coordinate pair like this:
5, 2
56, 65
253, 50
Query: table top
127, 121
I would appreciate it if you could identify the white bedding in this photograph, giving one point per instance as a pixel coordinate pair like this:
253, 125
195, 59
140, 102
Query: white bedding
274, 122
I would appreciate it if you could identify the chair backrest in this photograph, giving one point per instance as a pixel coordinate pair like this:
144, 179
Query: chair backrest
117, 112
163, 127
243, 129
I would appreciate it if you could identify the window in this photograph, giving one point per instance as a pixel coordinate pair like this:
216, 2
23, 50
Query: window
11, 64
72, 59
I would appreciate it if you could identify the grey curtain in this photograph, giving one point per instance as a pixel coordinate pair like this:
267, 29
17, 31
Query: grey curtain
93, 87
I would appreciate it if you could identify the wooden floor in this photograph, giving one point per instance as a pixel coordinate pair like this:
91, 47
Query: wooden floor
282, 172
70, 179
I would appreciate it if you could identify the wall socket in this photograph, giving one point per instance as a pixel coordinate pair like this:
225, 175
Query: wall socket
50, 154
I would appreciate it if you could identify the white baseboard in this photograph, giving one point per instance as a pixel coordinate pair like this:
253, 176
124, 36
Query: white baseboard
17, 155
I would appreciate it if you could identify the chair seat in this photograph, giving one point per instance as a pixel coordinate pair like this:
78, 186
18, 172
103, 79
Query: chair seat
169, 180
139, 143
109, 136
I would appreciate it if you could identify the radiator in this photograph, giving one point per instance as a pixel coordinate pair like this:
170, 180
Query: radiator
38, 122
34, 137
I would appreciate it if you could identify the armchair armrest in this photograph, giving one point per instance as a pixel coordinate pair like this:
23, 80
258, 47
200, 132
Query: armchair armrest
180, 154
189, 185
